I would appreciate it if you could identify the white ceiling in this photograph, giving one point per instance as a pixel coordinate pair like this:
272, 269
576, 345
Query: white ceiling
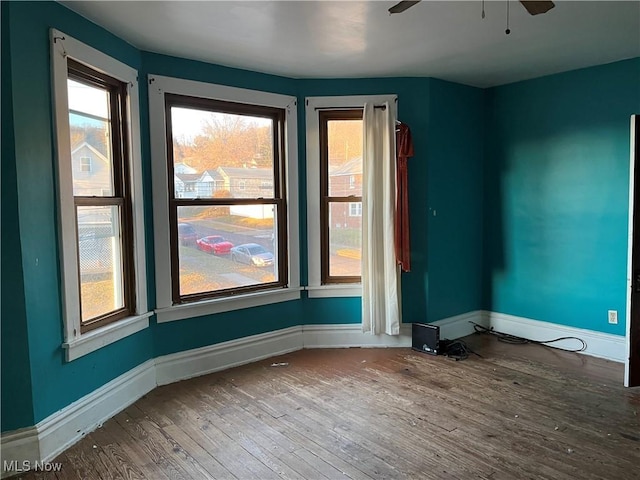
337, 39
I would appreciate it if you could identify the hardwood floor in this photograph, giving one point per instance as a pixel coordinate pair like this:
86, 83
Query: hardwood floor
518, 412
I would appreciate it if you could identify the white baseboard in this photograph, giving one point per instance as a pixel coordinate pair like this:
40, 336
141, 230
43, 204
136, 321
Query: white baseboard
602, 345
460, 325
200, 361
51, 436
60, 430
350, 335
48, 438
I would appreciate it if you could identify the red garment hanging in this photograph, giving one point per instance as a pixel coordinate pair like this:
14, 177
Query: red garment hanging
404, 150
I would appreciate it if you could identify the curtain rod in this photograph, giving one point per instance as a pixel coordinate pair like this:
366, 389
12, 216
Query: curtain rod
383, 107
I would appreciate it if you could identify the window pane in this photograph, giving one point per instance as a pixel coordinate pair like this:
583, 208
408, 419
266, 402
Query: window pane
221, 155
88, 99
345, 239
345, 157
90, 140
226, 247
100, 255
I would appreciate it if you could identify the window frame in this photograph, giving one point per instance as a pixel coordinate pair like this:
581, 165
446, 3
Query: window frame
121, 189
313, 105
79, 341
326, 199
166, 309
277, 200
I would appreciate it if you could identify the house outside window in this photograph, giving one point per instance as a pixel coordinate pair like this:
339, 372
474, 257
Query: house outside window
355, 209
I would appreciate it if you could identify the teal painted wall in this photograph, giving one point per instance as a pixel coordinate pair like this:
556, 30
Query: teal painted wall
206, 72
54, 382
197, 332
557, 193
455, 156
16, 403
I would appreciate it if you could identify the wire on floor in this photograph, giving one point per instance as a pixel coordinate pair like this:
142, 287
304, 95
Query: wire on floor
457, 349
515, 340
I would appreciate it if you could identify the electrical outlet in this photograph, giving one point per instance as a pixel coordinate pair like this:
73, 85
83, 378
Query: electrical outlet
613, 316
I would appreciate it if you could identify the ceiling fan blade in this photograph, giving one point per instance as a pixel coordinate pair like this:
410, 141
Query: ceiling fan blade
402, 6
536, 7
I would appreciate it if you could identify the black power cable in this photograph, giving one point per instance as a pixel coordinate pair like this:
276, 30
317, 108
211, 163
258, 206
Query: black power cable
456, 349
515, 340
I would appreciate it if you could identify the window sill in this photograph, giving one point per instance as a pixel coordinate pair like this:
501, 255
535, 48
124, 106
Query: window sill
337, 290
101, 337
227, 304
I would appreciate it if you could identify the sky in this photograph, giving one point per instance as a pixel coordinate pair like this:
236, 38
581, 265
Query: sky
187, 123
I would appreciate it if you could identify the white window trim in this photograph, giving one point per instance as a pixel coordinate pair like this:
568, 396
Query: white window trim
75, 344
166, 311
315, 288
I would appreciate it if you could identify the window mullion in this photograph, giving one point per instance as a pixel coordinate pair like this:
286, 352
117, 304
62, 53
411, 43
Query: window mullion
204, 202
351, 198
99, 201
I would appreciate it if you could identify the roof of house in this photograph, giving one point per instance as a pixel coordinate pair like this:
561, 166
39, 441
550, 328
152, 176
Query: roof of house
214, 174
352, 167
220, 173
183, 168
188, 177
247, 173
93, 149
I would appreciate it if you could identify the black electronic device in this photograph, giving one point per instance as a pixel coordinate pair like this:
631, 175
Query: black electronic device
425, 338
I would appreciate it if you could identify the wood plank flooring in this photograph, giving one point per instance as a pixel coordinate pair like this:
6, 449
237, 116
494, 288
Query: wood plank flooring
519, 412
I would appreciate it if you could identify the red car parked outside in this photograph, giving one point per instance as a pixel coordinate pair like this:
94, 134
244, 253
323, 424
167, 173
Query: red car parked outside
215, 244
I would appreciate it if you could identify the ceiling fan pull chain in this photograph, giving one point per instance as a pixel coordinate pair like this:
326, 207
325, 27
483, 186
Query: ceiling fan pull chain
483, 9
507, 31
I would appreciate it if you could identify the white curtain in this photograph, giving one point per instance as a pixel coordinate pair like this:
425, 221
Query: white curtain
380, 277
